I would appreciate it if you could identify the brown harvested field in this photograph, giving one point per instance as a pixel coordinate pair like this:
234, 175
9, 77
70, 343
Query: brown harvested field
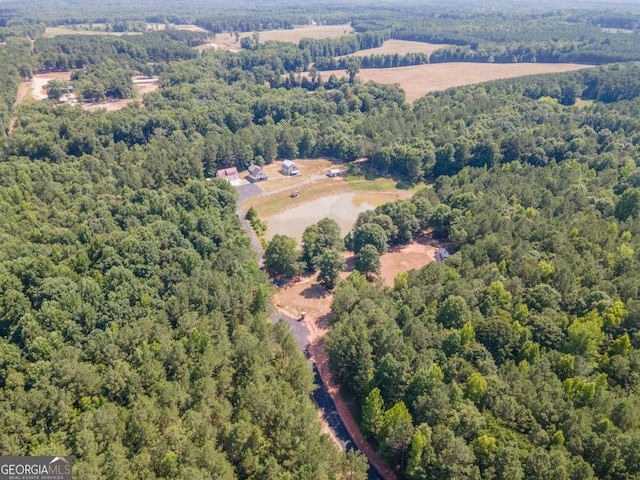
400, 47
419, 80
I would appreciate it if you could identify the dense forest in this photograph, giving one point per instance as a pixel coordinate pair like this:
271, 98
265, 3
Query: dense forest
133, 317
518, 356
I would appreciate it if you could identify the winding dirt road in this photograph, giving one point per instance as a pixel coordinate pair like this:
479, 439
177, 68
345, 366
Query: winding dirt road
309, 335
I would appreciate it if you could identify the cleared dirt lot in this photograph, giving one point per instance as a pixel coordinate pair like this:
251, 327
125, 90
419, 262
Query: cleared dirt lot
400, 47
310, 297
419, 80
407, 257
34, 90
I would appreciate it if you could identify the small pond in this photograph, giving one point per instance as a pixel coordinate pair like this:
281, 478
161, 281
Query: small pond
344, 208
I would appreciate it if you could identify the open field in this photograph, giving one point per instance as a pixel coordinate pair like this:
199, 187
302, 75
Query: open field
419, 80
379, 184
39, 81
400, 47
100, 29
617, 30
307, 31
56, 31
269, 205
584, 103
310, 169
313, 183
228, 41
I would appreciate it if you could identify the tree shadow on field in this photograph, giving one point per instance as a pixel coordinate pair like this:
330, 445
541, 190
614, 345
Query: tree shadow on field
325, 320
314, 291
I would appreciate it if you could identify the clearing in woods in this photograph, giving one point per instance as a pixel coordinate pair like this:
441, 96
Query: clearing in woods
228, 41
100, 29
400, 47
419, 80
35, 89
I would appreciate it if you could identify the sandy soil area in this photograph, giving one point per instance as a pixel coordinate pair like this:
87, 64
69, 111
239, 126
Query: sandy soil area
39, 80
419, 80
34, 89
407, 257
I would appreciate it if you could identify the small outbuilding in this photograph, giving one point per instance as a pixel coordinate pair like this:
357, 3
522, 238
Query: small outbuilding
289, 168
228, 174
256, 174
334, 172
442, 254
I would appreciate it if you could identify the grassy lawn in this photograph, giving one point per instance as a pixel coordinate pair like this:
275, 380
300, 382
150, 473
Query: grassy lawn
362, 183
308, 168
583, 103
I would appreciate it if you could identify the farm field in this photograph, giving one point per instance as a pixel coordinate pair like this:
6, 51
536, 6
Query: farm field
419, 80
400, 47
296, 34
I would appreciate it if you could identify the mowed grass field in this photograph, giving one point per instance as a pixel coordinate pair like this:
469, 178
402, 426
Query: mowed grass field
419, 80
401, 47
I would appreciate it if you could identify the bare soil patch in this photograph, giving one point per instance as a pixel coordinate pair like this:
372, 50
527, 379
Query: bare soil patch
35, 89
419, 80
401, 47
415, 255
39, 80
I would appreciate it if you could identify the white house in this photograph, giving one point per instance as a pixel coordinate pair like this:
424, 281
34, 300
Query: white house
289, 168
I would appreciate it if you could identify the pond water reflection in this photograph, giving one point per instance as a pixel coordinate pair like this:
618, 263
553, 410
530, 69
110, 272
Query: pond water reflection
344, 208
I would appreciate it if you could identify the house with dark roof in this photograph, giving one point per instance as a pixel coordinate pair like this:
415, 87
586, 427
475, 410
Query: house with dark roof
256, 174
442, 254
